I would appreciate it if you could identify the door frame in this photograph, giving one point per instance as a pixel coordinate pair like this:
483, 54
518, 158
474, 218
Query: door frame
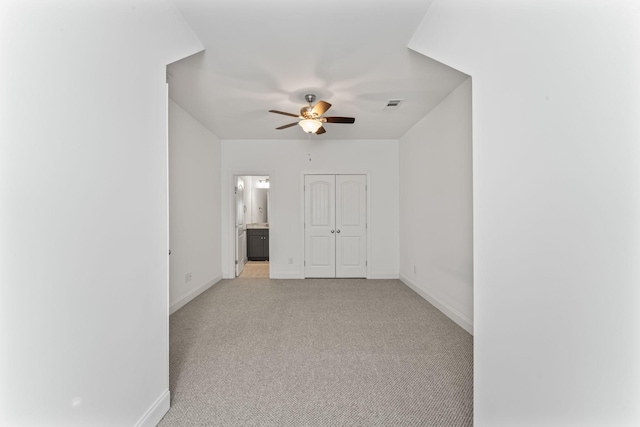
367, 173
230, 227
235, 240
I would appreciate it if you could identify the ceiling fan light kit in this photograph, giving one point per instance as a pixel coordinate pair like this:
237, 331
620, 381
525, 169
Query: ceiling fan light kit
311, 119
310, 125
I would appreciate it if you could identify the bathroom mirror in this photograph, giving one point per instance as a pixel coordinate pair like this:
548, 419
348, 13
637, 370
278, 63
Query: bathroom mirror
260, 205
240, 207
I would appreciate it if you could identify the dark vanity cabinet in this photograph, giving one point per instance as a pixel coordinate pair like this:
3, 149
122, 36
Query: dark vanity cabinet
258, 244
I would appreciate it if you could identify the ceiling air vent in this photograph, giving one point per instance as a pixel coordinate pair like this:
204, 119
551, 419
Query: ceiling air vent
393, 103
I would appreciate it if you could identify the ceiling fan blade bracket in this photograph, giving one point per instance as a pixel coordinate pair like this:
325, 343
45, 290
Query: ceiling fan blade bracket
306, 112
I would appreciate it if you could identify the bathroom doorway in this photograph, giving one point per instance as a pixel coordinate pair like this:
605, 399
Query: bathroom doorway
251, 243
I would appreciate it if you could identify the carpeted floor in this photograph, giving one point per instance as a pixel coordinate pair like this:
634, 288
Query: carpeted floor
317, 352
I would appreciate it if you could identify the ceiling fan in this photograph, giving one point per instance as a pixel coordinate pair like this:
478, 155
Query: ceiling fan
311, 119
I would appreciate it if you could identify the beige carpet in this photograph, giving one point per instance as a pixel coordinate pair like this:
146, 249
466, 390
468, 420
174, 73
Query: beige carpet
256, 270
317, 352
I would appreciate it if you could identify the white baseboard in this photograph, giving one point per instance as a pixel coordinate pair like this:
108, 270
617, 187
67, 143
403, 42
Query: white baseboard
194, 293
277, 275
383, 276
449, 311
301, 276
154, 414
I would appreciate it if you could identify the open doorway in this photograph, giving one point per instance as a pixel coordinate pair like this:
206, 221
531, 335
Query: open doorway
251, 243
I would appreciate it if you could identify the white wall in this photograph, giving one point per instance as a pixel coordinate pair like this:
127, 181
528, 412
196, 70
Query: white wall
286, 162
556, 101
194, 207
83, 210
436, 219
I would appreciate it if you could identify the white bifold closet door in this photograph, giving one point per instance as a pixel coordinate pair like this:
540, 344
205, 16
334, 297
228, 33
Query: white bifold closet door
335, 225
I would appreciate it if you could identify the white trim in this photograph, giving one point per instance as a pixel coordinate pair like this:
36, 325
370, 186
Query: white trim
290, 275
445, 308
154, 414
194, 293
230, 227
368, 229
167, 294
379, 276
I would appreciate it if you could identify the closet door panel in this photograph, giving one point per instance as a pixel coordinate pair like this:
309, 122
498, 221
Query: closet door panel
351, 226
320, 244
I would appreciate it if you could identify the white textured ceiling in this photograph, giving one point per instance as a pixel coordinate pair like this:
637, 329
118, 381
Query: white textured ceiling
262, 55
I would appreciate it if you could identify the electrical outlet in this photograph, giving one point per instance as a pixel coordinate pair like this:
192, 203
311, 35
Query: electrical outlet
414, 269
290, 260
187, 277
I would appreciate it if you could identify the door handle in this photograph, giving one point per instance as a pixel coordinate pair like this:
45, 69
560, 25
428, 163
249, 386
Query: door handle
332, 231
338, 231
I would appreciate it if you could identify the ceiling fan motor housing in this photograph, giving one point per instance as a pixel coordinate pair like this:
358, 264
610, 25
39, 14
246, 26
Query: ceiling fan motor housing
307, 112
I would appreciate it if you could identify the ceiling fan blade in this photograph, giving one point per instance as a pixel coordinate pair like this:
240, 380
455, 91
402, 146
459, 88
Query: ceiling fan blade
340, 119
320, 131
287, 126
282, 112
320, 108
